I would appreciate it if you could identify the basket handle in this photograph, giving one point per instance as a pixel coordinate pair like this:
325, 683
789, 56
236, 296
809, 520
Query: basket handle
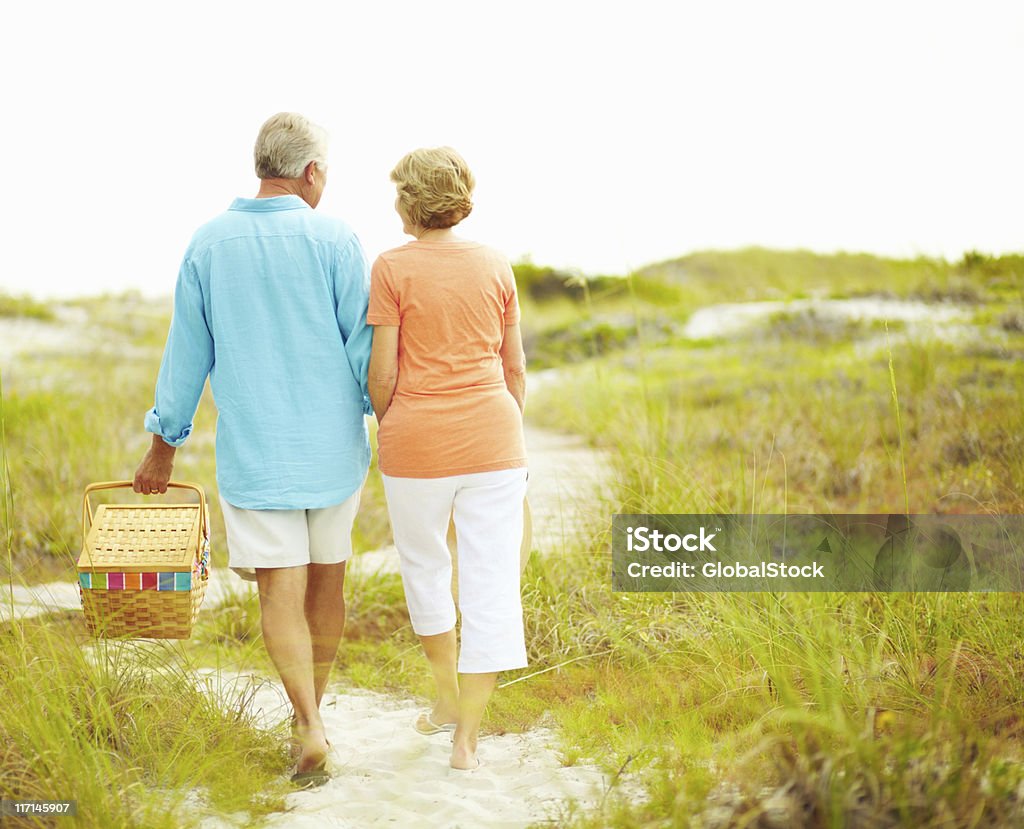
87, 507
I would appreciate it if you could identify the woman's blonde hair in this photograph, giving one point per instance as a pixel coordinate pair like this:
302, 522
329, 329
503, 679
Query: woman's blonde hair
435, 187
286, 144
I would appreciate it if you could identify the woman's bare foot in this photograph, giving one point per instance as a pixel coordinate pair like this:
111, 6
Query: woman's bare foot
463, 753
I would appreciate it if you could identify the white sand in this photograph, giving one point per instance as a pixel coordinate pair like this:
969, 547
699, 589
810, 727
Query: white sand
21, 336
729, 319
385, 774
38, 599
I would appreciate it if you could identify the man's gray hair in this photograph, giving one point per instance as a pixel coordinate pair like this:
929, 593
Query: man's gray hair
286, 144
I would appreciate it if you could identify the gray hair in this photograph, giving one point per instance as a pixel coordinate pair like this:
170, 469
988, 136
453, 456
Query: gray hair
286, 144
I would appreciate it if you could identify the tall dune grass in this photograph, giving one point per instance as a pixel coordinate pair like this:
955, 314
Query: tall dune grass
128, 729
124, 729
792, 710
723, 710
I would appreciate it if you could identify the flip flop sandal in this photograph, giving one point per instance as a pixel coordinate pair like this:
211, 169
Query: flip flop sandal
426, 726
311, 779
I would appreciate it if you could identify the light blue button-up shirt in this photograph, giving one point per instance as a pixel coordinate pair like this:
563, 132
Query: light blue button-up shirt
271, 304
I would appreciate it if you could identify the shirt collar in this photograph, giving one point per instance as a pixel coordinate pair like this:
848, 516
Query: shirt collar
269, 205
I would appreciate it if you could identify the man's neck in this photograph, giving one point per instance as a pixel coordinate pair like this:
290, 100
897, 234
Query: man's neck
271, 187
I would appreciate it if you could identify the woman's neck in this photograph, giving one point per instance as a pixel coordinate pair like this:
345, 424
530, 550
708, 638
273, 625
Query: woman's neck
434, 234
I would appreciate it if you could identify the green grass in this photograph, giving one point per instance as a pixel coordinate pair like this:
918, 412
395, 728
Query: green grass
568, 318
803, 710
128, 731
24, 306
802, 427
727, 710
758, 273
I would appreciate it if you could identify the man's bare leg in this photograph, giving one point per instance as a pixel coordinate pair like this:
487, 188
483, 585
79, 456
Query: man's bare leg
325, 616
287, 639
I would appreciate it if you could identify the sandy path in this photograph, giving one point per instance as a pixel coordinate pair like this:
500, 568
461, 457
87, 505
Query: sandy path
385, 774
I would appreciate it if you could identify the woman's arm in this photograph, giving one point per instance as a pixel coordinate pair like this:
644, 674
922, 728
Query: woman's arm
383, 372
513, 364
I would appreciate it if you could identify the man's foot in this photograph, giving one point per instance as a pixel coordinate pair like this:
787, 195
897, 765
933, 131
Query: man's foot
316, 776
313, 747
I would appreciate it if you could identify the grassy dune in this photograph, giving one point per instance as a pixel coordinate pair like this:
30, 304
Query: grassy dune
129, 730
803, 710
752, 710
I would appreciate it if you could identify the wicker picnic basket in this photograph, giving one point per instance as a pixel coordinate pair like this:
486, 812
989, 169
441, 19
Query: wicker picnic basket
144, 568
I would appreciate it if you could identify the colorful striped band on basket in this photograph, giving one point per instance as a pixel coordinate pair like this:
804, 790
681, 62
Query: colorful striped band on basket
148, 581
136, 581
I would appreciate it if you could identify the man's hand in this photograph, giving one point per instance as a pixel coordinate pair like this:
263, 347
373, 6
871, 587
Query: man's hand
155, 470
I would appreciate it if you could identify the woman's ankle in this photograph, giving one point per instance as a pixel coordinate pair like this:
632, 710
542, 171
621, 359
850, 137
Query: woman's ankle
463, 757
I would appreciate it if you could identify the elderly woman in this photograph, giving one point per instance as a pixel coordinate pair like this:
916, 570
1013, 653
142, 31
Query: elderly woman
447, 382
271, 304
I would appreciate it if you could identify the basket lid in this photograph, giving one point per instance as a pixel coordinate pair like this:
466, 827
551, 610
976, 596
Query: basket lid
142, 538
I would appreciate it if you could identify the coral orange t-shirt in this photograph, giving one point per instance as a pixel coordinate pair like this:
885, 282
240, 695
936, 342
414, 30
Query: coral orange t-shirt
452, 413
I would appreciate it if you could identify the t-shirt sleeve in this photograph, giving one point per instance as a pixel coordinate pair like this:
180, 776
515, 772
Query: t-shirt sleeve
511, 298
383, 299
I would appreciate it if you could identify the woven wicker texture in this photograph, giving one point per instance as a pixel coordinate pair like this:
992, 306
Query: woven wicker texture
143, 614
148, 538
134, 539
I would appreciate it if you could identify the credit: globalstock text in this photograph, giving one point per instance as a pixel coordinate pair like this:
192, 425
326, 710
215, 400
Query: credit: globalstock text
718, 570
885, 552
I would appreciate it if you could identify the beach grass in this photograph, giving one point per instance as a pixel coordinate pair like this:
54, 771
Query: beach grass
711, 710
127, 730
779, 710
799, 709
24, 307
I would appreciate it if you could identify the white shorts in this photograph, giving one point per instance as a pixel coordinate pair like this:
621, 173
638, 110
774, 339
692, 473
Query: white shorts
263, 538
487, 508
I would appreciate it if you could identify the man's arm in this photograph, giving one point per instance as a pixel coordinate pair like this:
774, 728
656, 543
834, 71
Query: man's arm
155, 470
352, 295
187, 360
383, 372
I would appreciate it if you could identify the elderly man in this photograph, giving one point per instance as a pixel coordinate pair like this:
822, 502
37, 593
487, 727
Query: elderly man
271, 303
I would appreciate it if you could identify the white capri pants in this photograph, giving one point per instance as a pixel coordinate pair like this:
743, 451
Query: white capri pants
487, 508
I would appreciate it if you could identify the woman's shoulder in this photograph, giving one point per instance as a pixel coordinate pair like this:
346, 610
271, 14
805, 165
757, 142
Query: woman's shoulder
482, 252
491, 252
458, 254
391, 253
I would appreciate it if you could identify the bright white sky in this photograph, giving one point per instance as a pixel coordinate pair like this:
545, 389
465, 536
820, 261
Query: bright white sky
603, 136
